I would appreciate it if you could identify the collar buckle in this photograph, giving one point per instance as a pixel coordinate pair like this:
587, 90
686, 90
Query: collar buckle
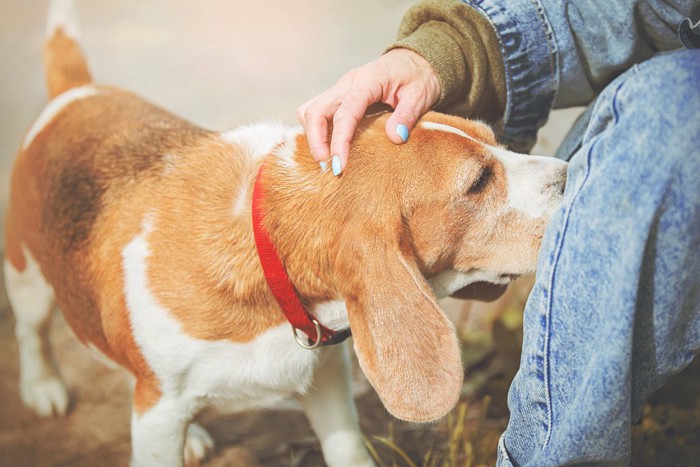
309, 344
331, 338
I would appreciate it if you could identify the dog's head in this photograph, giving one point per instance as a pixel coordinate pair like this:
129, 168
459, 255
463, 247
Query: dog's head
424, 219
406, 224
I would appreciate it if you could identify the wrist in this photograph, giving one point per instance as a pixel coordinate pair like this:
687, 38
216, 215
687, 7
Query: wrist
433, 45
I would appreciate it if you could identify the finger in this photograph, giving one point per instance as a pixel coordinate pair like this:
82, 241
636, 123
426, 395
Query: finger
316, 126
404, 118
345, 122
301, 110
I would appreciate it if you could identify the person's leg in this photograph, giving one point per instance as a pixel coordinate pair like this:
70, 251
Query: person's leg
615, 309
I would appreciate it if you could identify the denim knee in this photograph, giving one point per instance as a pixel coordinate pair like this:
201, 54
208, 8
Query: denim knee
656, 107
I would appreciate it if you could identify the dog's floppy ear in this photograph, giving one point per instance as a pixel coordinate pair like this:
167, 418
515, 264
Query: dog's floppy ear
405, 344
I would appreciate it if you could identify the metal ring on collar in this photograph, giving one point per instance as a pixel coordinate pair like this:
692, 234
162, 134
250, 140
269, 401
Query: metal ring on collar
308, 344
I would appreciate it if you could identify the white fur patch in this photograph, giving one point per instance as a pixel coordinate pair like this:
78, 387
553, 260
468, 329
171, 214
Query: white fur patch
447, 129
169, 163
528, 180
62, 14
30, 295
258, 140
231, 376
241, 203
56, 106
198, 444
339, 434
333, 315
32, 300
157, 435
287, 150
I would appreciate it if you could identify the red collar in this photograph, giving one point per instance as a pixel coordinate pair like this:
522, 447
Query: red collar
280, 284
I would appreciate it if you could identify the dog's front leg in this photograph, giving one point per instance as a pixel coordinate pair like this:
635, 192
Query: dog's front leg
158, 434
330, 407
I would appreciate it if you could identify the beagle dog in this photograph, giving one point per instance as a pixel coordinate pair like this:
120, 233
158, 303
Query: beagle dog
138, 226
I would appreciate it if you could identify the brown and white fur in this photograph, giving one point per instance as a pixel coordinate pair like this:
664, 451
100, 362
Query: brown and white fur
137, 224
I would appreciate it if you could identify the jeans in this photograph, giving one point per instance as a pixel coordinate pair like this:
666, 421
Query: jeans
615, 310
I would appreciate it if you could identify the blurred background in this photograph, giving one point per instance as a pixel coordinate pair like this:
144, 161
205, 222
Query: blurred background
222, 63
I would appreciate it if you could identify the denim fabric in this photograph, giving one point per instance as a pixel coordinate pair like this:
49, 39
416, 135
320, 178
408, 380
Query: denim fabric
562, 53
689, 34
530, 57
615, 309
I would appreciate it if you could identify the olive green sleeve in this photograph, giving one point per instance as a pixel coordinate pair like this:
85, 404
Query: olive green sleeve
463, 49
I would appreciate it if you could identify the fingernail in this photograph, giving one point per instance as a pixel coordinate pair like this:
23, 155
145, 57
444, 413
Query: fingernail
335, 164
324, 166
402, 131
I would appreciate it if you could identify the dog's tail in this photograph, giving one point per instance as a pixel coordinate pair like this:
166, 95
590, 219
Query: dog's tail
64, 63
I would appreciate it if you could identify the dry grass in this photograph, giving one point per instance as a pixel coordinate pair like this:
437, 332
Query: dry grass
469, 440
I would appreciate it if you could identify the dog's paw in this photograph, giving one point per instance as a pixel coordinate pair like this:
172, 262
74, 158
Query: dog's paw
198, 445
46, 397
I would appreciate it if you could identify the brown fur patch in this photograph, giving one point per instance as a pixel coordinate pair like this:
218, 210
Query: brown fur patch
147, 393
203, 267
396, 215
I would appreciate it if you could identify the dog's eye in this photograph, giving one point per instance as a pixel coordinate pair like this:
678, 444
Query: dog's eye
481, 181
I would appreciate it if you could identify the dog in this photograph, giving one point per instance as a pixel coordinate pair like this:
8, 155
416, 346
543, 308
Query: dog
141, 228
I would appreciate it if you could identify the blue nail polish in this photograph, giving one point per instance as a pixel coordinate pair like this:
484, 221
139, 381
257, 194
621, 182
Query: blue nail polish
335, 164
402, 131
323, 165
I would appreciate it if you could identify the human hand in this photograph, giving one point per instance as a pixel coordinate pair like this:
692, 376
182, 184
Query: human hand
400, 78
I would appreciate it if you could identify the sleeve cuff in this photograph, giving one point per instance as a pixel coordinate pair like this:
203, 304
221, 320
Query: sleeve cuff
461, 45
526, 41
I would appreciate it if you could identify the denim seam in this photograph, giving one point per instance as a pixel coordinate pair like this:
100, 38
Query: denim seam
506, 68
530, 90
548, 312
552, 43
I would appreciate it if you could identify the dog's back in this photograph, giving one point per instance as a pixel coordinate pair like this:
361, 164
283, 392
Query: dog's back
94, 166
